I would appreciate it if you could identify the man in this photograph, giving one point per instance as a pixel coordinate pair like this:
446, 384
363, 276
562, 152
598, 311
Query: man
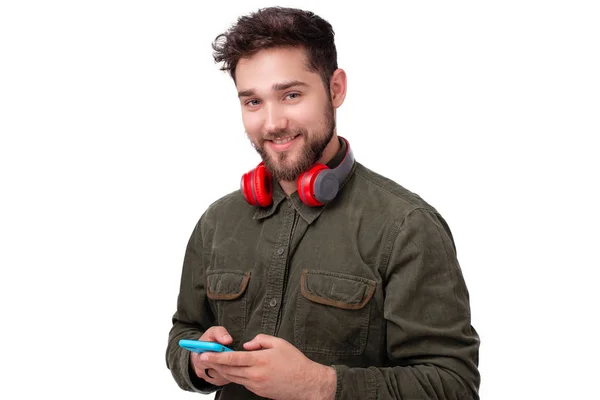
335, 283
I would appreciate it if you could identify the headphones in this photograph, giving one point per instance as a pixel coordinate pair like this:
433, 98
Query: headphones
316, 187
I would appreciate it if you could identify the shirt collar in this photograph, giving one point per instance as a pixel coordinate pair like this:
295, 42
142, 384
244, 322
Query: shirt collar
278, 197
308, 213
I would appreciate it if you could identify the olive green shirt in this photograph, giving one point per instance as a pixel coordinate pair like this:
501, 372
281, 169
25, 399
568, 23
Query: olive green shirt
369, 284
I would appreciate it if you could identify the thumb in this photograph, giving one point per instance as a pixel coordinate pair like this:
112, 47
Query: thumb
261, 341
217, 334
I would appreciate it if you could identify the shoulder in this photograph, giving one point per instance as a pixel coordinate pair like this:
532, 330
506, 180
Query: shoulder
392, 204
230, 208
376, 191
227, 203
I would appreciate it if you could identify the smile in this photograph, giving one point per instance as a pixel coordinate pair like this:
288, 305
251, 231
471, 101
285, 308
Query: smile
283, 144
284, 140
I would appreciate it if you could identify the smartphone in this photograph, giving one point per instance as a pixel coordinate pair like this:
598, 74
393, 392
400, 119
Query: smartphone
198, 346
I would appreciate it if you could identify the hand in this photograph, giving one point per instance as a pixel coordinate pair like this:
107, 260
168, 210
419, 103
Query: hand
275, 369
213, 334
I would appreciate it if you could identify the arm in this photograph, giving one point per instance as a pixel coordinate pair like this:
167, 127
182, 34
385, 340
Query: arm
192, 318
432, 348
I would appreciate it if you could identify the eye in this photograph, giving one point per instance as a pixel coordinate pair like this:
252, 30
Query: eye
252, 103
292, 96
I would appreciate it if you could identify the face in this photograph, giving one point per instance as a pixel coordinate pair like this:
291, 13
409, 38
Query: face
287, 112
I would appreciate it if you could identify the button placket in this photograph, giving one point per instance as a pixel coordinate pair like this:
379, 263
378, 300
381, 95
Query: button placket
277, 274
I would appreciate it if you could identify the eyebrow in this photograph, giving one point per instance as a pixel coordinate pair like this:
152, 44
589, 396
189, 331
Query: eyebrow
276, 87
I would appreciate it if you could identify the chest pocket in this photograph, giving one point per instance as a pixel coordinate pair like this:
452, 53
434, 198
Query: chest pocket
226, 290
333, 312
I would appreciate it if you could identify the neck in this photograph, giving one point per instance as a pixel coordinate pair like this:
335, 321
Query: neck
330, 151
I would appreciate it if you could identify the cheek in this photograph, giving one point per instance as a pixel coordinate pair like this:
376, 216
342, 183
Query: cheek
306, 117
252, 123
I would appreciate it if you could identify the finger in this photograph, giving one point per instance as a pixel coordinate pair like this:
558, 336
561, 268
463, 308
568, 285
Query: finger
207, 373
229, 371
195, 358
234, 374
252, 346
217, 334
233, 358
218, 382
245, 376
197, 364
213, 376
261, 341
237, 379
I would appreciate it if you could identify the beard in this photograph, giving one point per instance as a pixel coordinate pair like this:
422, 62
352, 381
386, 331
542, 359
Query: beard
281, 166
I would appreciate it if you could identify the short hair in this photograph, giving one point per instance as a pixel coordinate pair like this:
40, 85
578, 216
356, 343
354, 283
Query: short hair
279, 27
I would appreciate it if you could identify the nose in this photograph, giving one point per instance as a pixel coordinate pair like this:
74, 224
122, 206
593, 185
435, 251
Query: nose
275, 119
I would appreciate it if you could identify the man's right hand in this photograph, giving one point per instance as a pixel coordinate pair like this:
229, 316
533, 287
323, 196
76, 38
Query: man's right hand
213, 334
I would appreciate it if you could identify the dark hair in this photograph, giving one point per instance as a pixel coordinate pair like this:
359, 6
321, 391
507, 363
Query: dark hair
279, 27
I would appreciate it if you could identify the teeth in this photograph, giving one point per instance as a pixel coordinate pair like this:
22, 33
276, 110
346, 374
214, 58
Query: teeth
284, 140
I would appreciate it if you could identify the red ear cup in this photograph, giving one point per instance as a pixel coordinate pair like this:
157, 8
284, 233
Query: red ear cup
306, 185
246, 188
263, 188
257, 187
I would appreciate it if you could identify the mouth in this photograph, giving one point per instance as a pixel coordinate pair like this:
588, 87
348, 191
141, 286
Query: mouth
282, 144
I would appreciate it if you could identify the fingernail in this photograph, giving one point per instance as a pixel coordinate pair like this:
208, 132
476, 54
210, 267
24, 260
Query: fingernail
204, 357
226, 337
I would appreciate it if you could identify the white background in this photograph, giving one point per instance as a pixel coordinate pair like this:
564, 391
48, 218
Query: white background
118, 130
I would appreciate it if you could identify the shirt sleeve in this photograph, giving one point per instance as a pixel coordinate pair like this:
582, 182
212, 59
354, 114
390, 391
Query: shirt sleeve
192, 318
432, 347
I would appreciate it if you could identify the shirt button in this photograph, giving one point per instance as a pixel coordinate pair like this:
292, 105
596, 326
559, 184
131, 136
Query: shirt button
280, 250
273, 302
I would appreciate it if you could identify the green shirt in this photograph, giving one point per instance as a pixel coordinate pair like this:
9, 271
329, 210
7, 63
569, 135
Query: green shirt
369, 284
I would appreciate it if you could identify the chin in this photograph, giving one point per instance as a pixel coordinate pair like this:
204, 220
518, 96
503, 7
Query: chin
285, 165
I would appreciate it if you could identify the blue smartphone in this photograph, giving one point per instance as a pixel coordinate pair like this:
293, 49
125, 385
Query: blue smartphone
198, 346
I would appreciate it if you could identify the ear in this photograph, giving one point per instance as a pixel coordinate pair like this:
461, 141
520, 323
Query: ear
337, 87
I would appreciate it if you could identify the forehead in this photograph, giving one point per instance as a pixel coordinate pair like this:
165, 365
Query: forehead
281, 64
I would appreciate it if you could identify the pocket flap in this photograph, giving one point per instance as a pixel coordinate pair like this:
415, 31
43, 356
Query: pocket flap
226, 285
338, 290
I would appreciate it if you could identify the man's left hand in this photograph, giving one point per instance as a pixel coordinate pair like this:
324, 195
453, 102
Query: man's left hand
274, 368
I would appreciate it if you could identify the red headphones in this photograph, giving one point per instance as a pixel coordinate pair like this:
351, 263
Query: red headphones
316, 187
